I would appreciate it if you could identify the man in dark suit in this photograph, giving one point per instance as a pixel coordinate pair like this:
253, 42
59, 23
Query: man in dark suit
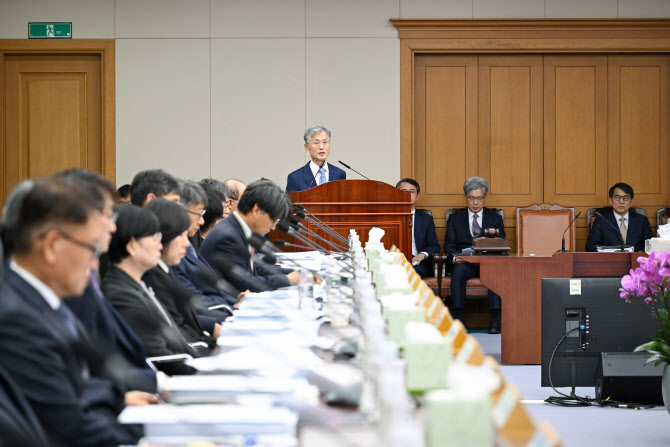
261, 205
316, 172
18, 423
55, 246
632, 227
462, 227
424, 238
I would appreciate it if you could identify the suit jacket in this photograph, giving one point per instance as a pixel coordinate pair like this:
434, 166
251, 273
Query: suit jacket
104, 324
425, 237
186, 274
18, 423
177, 301
227, 239
458, 235
157, 335
601, 233
302, 179
74, 410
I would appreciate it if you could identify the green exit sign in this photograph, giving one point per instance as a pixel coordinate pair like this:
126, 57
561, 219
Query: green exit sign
54, 30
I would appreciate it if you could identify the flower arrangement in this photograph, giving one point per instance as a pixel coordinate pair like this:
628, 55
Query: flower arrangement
650, 282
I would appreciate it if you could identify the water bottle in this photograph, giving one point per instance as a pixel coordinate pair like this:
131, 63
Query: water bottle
305, 290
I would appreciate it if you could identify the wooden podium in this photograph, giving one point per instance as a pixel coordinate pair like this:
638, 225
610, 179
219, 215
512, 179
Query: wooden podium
518, 281
357, 204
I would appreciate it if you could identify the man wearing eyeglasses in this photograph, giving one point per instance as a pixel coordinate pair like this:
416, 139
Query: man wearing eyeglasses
462, 227
317, 171
632, 227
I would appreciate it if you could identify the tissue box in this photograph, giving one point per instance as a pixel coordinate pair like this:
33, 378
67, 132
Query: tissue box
427, 357
397, 316
459, 419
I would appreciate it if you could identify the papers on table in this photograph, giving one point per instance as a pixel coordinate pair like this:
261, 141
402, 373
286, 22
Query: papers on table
614, 248
226, 388
311, 260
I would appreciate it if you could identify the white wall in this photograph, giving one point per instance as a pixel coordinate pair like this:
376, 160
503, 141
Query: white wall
225, 88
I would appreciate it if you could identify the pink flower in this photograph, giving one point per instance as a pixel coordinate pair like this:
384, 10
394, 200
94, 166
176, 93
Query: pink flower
624, 294
648, 301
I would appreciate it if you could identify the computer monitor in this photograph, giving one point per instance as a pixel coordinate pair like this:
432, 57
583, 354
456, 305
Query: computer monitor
605, 323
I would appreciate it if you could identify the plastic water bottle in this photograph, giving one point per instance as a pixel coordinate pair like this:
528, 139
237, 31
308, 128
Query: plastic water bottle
305, 290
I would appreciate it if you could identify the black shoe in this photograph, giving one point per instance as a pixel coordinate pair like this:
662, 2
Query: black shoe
494, 327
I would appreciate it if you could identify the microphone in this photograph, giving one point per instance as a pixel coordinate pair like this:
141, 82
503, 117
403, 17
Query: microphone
211, 279
285, 227
323, 228
239, 273
569, 225
349, 167
618, 231
315, 219
283, 243
300, 226
317, 172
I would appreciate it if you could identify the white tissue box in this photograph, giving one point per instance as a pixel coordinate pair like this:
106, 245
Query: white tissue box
398, 316
427, 357
459, 419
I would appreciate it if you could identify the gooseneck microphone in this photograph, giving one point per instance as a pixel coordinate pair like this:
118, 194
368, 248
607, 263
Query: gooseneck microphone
350, 168
319, 223
317, 173
569, 225
618, 231
295, 221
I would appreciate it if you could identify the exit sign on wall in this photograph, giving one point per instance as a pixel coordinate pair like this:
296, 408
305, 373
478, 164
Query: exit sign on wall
55, 30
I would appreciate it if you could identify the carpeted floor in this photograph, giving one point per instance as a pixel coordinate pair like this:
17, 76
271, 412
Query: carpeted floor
582, 426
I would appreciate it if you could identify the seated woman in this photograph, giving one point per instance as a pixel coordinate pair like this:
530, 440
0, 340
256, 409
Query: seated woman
177, 300
134, 249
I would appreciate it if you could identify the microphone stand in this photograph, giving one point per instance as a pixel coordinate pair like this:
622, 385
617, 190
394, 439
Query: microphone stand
313, 233
320, 223
349, 167
563, 238
317, 172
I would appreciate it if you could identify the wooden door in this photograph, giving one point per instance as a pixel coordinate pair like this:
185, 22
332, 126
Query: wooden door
55, 112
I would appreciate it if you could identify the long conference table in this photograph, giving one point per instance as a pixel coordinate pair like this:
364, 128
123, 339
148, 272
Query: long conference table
517, 278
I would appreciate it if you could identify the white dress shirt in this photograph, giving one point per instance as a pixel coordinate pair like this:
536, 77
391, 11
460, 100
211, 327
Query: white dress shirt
315, 168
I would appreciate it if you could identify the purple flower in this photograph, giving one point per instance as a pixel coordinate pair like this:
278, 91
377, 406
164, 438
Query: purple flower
648, 301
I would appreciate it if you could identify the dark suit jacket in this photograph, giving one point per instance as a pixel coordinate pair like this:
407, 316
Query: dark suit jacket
104, 324
425, 237
458, 235
638, 231
74, 410
225, 240
18, 423
186, 274
177, 301
138, 310
302, 179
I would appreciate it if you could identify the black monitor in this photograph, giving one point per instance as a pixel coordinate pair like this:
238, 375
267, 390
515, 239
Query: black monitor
605, 323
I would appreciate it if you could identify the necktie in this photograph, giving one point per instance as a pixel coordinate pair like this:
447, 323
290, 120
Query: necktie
68, 320
476, 229
322, 176
622, 228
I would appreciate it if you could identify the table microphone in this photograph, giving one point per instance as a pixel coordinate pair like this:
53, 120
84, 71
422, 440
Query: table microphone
333, 232
323, 227
349, 167
569, 225
313, 233
285, 227
618, 231
239, 273
283, 243
317, 172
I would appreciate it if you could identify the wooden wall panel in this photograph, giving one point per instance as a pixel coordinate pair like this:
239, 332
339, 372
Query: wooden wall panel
510, 128
446, 132
638, 126
575, 127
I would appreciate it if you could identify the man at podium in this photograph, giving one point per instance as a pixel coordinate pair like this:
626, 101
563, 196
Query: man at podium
317, 171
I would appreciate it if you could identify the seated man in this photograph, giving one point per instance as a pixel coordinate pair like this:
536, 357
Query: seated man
317, 143
462, 227
236, 188
262, 203
424, 239
55, 246
153, 183
621, 222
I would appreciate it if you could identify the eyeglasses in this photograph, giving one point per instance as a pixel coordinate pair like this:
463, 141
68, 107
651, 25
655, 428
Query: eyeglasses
623, 199
475, 199
95, 249
156, 236
319, 143
201, 213
411, 191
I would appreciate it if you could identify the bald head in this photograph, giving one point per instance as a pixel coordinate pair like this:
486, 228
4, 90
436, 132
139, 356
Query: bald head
236, 188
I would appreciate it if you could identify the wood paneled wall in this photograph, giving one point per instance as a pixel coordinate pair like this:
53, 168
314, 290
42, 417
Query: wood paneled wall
549, 110
553, 129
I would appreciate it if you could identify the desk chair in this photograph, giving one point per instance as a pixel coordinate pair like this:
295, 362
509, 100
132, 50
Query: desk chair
540, 227
662, 217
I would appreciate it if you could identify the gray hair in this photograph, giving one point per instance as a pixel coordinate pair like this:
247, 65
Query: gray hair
12, 207
212, 184
309, 133
191, 193
476, 183
233, 185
